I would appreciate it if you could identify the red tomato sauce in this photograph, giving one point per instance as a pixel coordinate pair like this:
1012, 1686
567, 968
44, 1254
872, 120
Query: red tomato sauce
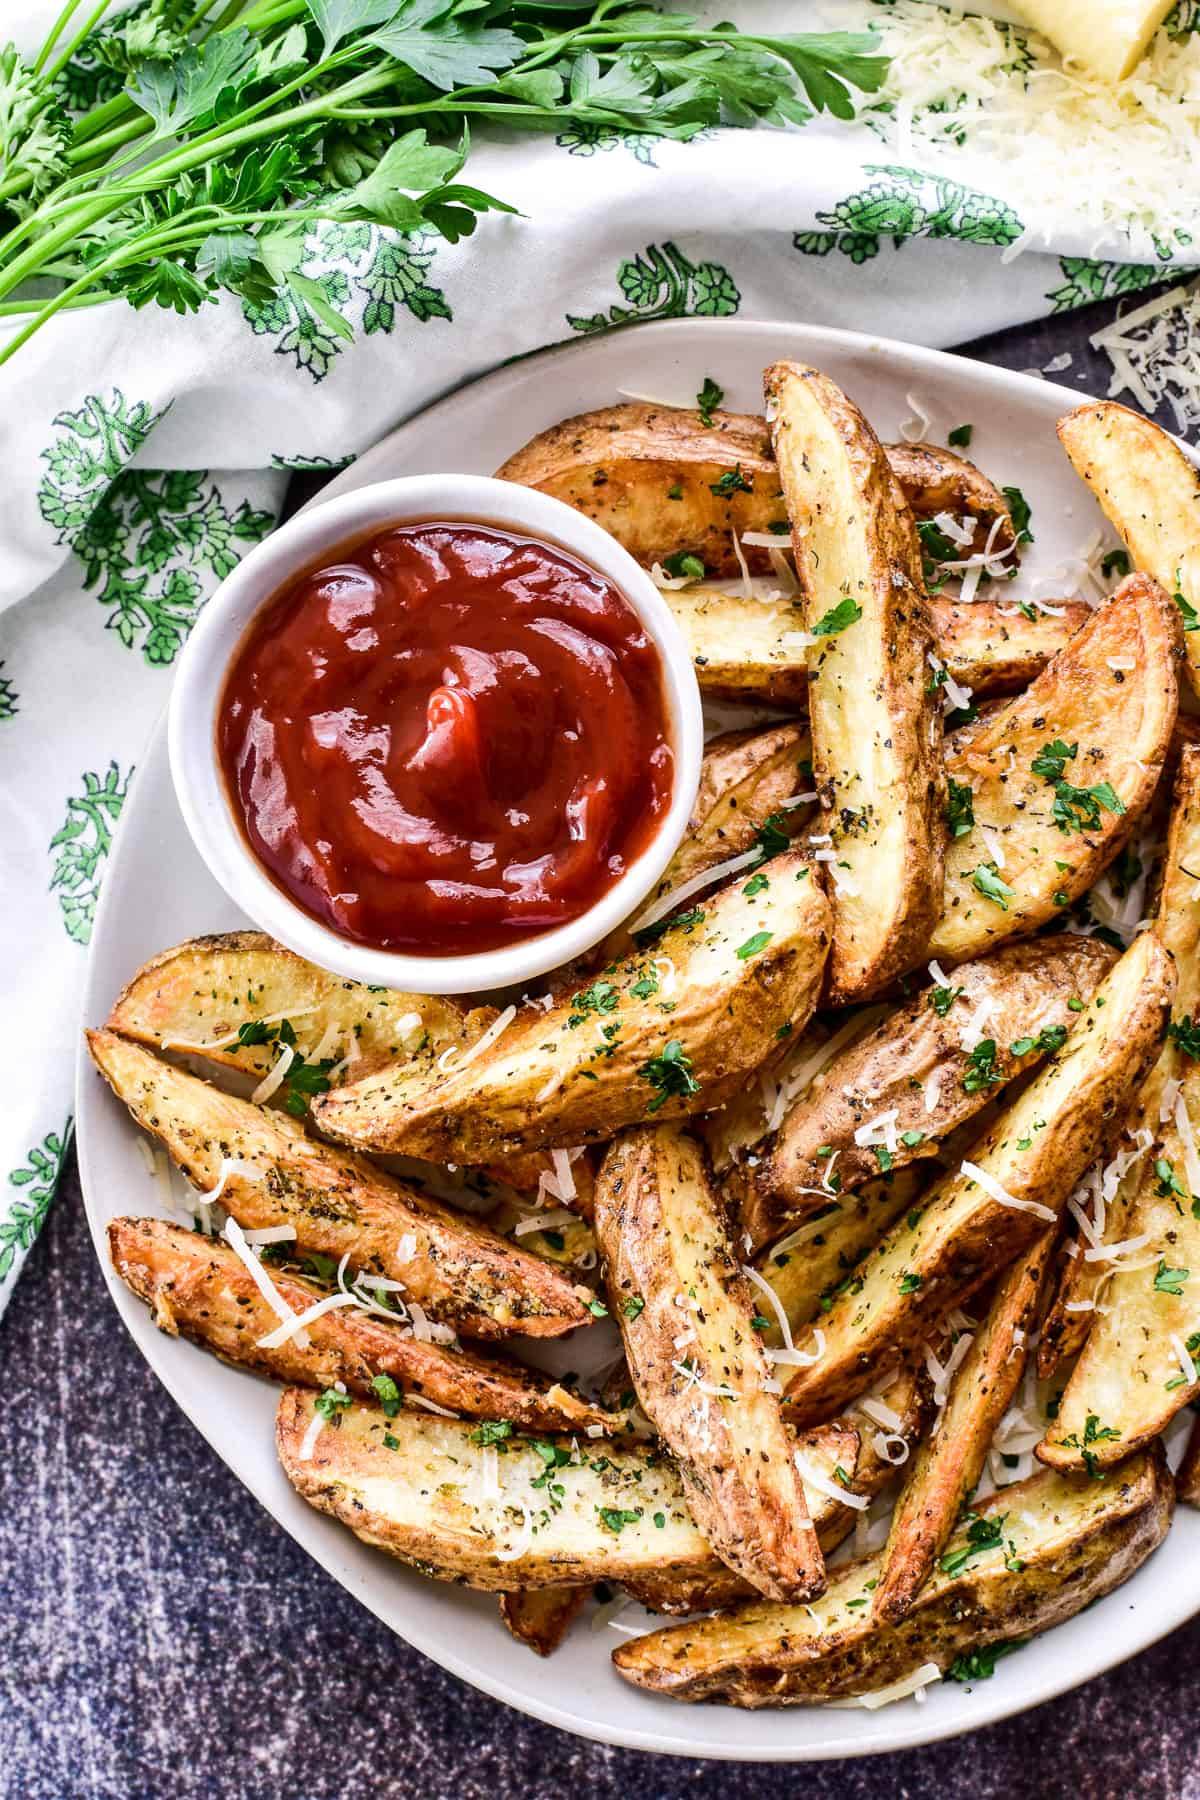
447, 739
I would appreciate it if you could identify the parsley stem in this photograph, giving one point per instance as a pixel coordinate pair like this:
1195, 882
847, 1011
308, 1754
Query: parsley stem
55, 32
64, 56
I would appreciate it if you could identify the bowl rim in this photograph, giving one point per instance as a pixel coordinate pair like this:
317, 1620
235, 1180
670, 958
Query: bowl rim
325, 525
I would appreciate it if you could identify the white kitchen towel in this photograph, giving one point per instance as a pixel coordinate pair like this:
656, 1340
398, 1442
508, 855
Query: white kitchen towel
143, 452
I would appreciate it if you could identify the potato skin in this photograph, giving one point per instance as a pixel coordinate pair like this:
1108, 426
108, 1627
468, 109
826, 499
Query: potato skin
661, 1235
542, 1617
549, 1082
339, 1204
199, 1289
1086, 1538
1029, 986
1036, 1151
1121, 722
876, 722
647, 473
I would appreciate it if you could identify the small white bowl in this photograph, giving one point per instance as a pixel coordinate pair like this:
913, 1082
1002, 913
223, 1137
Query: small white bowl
298, 545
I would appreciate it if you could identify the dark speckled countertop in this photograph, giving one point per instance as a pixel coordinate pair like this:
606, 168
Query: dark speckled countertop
159, 1635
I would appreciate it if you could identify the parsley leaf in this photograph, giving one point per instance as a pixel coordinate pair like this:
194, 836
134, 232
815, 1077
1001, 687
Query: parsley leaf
730, 483
1168, 1280
650, 934
845, 613
331, 1403
1020, 512
989, 884
960, 437
684, 564
981, 1070
492, 1431
942, 999
753, 945
1185, 1033
671, 1074
960, 807
708, 400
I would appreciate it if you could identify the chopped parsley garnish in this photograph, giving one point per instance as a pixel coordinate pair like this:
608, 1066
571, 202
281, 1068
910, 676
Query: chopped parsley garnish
909, 1283
1047, 1041
683, 565
753, 945
492, 1431
331, 1403
615, 1518
1168, 1181
942, 999
708, 399
1190, 620
978, 1665
601, 997
1115, 562
845, 613
303, 1079
982, 1534
981, 1071
731, 482
597, 1309
960, 437
670, 1073
647, 986
771, 838
1093, 1433
650, 934
675, 491
1075, 808
884, 1158
987, 882
960, 807
633, 1306
1170, 1281
910, 1139
1185, 1033
756, 884
389, 1395
1020, 512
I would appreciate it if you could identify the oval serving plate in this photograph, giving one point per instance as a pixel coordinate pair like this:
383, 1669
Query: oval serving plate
157, 893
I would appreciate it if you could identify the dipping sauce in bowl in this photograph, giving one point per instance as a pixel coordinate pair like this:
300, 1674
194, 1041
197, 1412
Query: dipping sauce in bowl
448, 737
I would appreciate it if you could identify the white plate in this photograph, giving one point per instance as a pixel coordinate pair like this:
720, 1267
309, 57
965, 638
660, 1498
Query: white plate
157, 893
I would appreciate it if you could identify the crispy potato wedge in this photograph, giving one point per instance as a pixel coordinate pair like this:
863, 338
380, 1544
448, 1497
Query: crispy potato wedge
876, 726
1119, 721
648, 474
429, 1498
746, 967
1074, 1539
541, 1617
913, 1067
1033, 1155
198, 1288
821, 1255
849, 1445
195, 998
338, 1203
1136, 1369
699, 1370
942, 1475
753, 650
746, 778
1136, 1206
1187, 1476
1150, 492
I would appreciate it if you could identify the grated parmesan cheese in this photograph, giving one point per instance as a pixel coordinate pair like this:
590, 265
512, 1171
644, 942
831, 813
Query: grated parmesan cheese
814, 1478
498, 1025
235, 1237
1002, 1197
674, 898
293, 1326
274, 1077
911, 1687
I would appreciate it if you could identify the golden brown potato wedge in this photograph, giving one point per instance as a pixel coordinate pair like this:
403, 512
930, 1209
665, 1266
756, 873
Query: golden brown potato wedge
1073, 1540
921, 1073
807, 1268
853, 1452
942, 1475
542, 1617
652, 476
275, 1174
1032, 1156
876, 724
642, 1043
1137, 1369
686, 1314
754, 650
198, 996
198, 1288
1059, 777
1187, 1476
746, 779
1151, 492
489, 1509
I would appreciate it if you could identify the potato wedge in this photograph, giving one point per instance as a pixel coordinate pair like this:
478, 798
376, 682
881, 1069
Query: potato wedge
652, 476
196, 997
198, 1288
753, 650
1033, 1155
546, 1513
942, 1475
542, 1617
1136, 1368
849, 1447
914, 1073
746, 966
876, 725
808, 1266
1187, 1476
1150, 491
699, 1368
1045, 825
746, 778
339, 1204
1074, 1539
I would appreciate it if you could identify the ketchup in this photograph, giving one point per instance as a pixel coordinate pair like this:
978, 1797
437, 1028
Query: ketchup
447, 739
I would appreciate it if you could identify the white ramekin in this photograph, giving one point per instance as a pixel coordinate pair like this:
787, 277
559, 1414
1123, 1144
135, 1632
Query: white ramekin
200, 680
